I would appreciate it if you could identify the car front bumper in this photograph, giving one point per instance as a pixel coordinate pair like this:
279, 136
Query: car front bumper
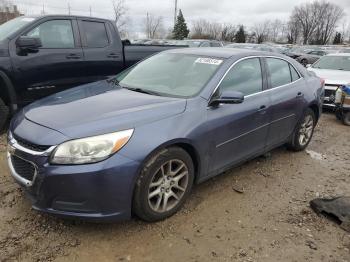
99, 192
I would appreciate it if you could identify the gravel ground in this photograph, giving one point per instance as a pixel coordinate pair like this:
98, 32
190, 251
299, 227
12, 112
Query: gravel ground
270, 221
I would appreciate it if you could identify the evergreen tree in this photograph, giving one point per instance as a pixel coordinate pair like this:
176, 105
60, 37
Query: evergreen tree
240, 35
337, 39
180, 29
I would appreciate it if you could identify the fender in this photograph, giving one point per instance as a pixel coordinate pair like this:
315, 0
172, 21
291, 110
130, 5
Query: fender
10, 91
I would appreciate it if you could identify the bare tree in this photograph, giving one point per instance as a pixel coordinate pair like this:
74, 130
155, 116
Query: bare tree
276, 30
328, 17
318, 20
153, 26
293, 30
306, 16
120, 10
261, 31
228, 32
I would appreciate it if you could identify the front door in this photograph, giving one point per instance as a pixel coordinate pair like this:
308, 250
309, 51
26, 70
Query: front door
239, 131
56, 66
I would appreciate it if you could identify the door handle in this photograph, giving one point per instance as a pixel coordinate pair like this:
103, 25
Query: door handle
73, 56
112, 55
262, 108
300, 94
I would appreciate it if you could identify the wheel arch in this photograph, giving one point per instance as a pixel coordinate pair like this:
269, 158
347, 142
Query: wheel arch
316, 110
7, 92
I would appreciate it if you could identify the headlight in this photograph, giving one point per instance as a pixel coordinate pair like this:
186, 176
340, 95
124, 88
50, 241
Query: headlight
90, 149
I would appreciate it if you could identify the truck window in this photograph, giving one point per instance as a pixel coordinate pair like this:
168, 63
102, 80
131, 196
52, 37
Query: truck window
96, 34
54, 34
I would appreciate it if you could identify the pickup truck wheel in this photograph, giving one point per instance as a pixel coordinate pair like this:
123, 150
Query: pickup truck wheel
4, 114
163, 185
304, 131
346, 118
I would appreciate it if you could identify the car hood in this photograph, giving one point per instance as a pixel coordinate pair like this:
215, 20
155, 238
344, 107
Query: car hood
99, 108
333, 77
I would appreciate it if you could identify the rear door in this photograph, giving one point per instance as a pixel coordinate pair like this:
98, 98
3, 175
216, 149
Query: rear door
286, 90
240, 130
103, 50
56, 66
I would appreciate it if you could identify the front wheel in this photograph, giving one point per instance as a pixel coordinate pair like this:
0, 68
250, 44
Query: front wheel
303, 132
346, 118
163, 185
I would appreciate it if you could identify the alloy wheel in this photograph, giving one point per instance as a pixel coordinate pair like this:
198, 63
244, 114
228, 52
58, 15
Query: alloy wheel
306, 129
168, 186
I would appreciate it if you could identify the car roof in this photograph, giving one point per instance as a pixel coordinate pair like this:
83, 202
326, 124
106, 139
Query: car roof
222, 52
65, 16
339, 54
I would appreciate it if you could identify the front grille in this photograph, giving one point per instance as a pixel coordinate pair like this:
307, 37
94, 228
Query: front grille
31, 146
23, 168
329, 93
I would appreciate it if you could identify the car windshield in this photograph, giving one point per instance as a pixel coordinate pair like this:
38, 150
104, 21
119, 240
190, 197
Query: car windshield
169, 74
333, 63
13, 25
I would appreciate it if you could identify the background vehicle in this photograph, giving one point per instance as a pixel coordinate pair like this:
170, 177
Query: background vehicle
295, 52
335, 70
43, 55
259, 47
312, 56
203, 43
138, 143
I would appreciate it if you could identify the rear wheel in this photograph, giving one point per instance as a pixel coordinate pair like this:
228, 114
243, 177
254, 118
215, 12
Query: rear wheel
4, 114
303, 132
163, 185
346, 118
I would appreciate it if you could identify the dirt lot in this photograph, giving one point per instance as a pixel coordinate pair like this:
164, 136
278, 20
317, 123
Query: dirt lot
269, 221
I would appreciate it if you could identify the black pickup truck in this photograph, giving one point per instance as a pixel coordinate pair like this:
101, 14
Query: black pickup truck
42, 55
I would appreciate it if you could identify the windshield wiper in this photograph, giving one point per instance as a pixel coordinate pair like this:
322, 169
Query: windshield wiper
140, 90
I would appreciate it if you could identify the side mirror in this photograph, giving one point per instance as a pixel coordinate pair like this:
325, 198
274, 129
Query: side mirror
29, 44
228, 97
308, 65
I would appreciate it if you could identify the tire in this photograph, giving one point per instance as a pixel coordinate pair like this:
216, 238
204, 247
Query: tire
155, 187
304, 62
346, 118
4, 115
303, 132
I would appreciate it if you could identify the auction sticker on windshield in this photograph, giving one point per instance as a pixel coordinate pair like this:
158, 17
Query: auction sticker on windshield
210, 61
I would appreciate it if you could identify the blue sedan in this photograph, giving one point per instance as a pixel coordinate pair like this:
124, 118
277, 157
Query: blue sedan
138, 142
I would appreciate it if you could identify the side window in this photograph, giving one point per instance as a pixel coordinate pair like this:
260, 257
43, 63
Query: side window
215, 44
54, 34
294, 73
279, 72
245, 77
96, 34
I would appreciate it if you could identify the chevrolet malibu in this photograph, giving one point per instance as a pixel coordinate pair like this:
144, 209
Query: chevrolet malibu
137, 143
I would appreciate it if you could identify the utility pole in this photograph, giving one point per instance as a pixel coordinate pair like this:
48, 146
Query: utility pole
175, 14
43, 10
90, 11
68, 8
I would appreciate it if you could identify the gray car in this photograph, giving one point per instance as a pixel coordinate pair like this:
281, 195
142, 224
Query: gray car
312, 56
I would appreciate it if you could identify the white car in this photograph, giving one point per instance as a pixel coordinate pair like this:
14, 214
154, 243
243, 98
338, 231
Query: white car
335, 70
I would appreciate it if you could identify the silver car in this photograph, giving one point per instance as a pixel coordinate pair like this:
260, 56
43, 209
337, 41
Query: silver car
335, 70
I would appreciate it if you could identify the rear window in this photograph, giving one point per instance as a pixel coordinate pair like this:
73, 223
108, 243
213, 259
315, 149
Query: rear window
279, 72
95, 34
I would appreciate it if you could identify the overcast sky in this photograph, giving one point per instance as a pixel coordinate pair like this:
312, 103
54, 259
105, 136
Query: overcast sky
245, 12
